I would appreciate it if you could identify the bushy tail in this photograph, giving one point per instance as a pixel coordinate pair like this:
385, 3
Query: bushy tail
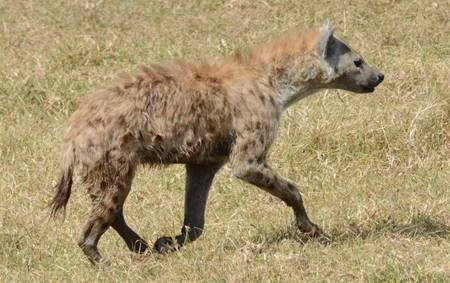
64, 186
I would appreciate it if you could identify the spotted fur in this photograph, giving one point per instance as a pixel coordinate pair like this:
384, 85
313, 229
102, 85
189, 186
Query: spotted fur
199, 114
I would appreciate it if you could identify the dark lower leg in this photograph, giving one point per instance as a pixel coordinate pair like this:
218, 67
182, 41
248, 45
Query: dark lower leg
198, 182
90, 236
134, 242
304, 224
291, 196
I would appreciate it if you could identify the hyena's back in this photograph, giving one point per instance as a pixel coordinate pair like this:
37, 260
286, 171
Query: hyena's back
164, 115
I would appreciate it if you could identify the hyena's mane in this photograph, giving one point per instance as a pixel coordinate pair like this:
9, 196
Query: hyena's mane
278, 48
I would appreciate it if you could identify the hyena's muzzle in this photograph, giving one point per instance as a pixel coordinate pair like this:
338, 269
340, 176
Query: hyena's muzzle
368, 79
359, 77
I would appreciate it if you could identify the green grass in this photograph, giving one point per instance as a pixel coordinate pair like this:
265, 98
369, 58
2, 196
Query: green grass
374, 169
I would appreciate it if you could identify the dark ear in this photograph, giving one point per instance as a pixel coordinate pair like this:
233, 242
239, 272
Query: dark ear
326, 41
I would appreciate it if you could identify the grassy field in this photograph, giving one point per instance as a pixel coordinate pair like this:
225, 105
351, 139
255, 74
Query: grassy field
374, 169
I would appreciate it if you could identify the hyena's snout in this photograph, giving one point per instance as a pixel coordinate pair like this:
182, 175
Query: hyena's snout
374, 79
377, 78
380, 78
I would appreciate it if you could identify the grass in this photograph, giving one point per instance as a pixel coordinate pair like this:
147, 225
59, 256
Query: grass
374, 169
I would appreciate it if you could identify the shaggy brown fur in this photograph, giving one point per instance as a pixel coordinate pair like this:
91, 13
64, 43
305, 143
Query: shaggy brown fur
199, 114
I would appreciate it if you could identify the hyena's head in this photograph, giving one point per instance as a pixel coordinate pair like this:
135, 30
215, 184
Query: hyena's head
344, 68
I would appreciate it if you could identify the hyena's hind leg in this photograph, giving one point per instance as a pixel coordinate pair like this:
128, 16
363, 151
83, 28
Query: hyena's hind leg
198, 183
107, 203
134, 242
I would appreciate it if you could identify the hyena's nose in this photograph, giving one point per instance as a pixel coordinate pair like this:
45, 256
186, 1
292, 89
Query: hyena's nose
380, 78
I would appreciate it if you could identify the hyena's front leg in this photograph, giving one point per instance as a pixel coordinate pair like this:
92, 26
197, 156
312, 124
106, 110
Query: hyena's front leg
198, 182
253, 169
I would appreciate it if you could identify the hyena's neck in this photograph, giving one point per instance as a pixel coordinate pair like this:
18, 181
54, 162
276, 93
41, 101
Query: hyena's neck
287, 93
293, 84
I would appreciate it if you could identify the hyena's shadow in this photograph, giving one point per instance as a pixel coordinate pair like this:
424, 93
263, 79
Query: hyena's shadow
417, 226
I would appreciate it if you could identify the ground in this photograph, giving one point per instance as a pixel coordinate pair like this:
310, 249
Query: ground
374, 169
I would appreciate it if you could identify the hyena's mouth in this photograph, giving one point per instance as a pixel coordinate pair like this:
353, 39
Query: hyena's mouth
368, 89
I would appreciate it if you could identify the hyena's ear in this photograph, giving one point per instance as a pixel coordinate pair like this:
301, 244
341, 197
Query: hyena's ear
325, 44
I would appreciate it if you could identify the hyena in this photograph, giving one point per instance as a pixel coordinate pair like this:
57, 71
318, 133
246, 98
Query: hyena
202, 115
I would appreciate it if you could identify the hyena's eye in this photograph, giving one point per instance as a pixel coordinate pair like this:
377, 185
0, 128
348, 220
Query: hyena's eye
358, 63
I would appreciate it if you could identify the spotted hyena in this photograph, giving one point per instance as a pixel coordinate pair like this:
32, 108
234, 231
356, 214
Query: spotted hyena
202, 115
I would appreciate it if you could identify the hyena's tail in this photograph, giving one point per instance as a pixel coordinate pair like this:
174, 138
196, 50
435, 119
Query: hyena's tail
64, 186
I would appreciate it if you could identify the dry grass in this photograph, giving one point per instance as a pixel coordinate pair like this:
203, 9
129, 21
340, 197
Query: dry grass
374, 169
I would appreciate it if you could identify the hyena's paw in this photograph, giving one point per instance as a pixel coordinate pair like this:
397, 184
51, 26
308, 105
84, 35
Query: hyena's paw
92, 254
165, 245
310, 229
139, 247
